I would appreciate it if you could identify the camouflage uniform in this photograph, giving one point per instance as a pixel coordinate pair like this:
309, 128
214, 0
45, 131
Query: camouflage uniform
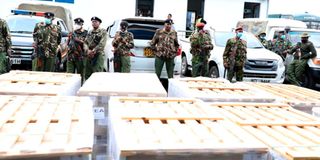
122, 44
264, 42
201, 46
47, 39
166, 46
298, 65
234, 56
5, 45
281, 47
95, 41
76, 53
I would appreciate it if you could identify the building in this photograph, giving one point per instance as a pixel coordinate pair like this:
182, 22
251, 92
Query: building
220, 14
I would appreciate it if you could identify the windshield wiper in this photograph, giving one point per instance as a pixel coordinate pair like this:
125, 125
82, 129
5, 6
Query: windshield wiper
20, 32
257, 47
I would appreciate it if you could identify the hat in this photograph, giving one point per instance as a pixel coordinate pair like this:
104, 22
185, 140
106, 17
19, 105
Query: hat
78, 20
200, 25
168, 21
305, 35
203, 21
239, 28
49, 14
124, 24
96, 18
261, 33
281, 31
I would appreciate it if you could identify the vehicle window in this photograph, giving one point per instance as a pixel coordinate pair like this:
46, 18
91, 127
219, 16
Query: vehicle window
314, 37
63, 26
22, 25
144, 32
221, 39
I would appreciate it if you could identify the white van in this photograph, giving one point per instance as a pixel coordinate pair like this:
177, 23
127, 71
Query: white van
143, 29
261, 65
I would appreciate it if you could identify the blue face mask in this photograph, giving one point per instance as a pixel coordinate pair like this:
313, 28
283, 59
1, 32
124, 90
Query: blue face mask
239, 34
47, 21
283, 36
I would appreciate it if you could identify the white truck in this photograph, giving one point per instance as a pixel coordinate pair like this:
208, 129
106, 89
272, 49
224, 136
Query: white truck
261, 65
272, 26
142, 58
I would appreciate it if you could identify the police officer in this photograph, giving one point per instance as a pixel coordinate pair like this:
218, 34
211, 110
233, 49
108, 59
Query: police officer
303, 51
122, 43
281, 46
201, 46
235, 55
76, 53
95, 43
262, 38
5, 46
165, 44
47, 37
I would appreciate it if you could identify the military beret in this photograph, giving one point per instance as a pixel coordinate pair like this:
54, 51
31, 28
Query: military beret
49, 14
168, 21
200, 25
281, 31
78, 20
239, 28
96, 18
203, 21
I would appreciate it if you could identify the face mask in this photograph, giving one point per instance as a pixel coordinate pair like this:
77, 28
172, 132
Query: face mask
304, 40
239, 34
283, 37
262, 37
47, 21
76, 27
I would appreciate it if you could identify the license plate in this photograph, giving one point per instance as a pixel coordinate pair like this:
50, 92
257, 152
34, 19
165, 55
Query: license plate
148, 52
260, 80
15, 60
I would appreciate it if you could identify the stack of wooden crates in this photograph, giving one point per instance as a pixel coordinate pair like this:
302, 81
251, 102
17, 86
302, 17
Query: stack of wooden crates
40, 117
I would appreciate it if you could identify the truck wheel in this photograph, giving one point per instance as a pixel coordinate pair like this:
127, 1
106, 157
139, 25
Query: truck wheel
214, 72
184, 66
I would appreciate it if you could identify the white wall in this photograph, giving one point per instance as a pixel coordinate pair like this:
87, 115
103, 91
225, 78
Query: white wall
224, 14
178, 9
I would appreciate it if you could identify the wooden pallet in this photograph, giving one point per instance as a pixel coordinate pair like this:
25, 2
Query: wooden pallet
157, 108
291, 142
224, 92
123, 84
205, 81
185, 129
39, 83
37, 126
264, 114
298, 97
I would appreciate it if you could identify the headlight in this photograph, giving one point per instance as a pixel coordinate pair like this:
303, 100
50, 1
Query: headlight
280, 63
316, 61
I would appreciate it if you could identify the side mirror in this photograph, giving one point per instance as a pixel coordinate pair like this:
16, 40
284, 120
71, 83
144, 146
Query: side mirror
64, 34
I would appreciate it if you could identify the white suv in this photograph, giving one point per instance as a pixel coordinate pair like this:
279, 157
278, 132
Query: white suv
143, 30
261, 65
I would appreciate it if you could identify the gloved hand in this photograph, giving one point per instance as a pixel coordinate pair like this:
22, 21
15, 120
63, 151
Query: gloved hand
9, 51
226, 65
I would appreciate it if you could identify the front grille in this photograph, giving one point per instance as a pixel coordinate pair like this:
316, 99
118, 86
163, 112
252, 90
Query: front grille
261, 65
22, 51
259, 75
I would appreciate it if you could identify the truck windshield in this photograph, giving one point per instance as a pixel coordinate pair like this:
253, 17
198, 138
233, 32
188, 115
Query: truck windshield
221, 39
314, 37
22, 24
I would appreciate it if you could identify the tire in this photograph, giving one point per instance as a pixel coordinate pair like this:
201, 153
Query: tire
214, 72
184, 67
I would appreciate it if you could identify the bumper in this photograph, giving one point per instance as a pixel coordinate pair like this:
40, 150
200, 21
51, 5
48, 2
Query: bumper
315, 72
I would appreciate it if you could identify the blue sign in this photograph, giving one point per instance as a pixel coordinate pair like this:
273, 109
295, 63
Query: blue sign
61, 1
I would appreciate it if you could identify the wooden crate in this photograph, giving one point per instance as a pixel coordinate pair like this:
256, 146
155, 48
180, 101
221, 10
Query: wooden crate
298, 97
39, 83
221, 92
290, 142
263, 114
139, 129
37, 126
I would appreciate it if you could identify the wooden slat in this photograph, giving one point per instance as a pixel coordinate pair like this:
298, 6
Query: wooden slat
34, 126
39, 83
